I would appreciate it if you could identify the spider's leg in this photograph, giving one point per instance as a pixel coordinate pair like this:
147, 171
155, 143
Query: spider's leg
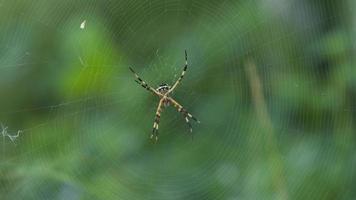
182, 75
189, 124
157, 119
144, 84
183, 111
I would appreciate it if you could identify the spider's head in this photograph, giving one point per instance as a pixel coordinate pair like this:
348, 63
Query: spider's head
163, 88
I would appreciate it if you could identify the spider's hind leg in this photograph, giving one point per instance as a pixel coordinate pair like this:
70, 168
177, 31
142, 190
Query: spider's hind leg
181, 76
141, 82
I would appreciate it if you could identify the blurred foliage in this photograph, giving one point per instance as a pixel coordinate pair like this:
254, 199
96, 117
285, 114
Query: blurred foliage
273, 82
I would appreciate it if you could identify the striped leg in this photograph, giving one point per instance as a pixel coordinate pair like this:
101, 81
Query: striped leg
189, 124
181, 76
144, 84
185, 113
157, 119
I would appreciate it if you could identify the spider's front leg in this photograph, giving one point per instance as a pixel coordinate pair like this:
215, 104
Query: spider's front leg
157, 119
185, 113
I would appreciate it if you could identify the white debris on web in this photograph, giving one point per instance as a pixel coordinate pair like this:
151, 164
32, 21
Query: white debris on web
4, 133
82, 25
81, 61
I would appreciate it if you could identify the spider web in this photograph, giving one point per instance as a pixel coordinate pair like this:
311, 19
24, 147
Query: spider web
271, 81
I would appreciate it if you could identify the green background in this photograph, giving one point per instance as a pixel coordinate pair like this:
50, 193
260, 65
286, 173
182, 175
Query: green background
273, 83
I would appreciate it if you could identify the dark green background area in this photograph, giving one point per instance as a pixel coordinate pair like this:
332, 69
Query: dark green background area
273, 83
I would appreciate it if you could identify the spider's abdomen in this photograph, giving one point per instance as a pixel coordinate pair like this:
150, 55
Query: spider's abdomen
163, 88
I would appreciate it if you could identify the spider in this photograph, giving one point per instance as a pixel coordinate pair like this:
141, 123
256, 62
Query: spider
163, 92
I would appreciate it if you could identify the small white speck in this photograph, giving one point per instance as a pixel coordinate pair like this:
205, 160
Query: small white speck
13, 137
4, 133
82, 25
81, 61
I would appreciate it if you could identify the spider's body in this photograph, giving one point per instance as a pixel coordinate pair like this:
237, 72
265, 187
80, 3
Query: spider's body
163, 92
163, 88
